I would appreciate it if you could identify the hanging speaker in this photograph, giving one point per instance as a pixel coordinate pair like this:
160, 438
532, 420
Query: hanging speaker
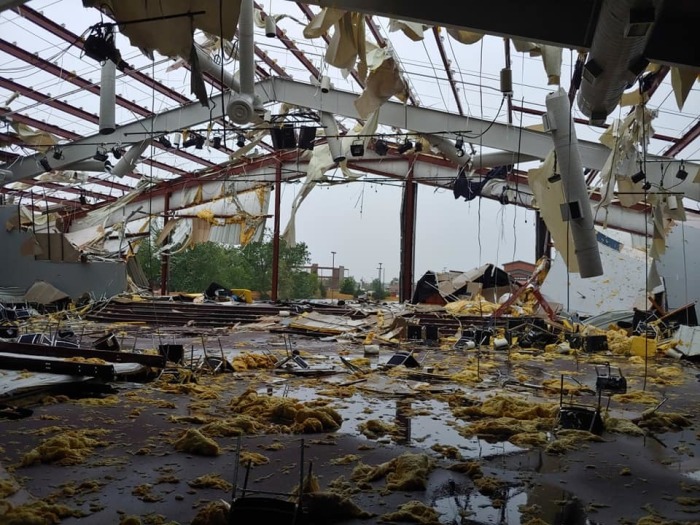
283, 137
307, 137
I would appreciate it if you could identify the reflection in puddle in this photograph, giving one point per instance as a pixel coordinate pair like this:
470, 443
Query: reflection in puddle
421, 423
460, 503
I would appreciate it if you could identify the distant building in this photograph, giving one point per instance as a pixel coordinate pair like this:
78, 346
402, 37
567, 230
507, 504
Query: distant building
519, 270
331, 278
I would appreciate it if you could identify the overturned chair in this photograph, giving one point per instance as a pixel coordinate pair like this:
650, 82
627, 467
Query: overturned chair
250, 506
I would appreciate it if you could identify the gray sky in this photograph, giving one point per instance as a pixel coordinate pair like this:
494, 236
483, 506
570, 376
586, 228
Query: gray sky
361, 223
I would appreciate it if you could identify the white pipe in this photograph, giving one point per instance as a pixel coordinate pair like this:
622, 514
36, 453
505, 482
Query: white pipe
129, 159
331, 128
108, 97
207, 65
578, 213
246, 48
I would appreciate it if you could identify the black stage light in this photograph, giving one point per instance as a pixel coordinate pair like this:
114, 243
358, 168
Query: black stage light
407, 145
240, 140
381, 147
638, 177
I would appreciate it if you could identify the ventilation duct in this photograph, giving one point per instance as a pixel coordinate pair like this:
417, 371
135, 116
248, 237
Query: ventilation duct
108, 97
127, 163
577, 207
616, 57
334, 143
244, 106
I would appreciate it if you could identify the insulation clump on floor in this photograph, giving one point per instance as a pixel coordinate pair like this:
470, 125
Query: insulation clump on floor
291, 415
193, 442
414, 512
405, 472
68, 448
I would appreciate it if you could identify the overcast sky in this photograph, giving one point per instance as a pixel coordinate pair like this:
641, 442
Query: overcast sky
361, 223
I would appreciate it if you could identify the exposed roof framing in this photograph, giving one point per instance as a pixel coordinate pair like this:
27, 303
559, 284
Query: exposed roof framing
178, 169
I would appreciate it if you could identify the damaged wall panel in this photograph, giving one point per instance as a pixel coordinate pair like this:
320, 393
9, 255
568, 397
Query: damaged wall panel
21, 270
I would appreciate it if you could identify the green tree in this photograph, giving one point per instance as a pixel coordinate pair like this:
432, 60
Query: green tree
378, 289
349, 286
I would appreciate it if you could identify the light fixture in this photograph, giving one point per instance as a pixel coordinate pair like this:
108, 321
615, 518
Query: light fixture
380, 147
195, 140
100, 155
554, 177
99, 45
270, 27
163, 141
407, 145
216, 142
459, 146
638, 177
45, 164
681, 174
357, 148
646, 186
240, 140
325, 84
117, 152
57, 153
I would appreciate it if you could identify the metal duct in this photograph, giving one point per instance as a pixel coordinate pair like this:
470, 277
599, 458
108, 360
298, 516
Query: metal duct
129, 159
616, 57
577, 208
207, 65
108, 97
332, 134
243, 108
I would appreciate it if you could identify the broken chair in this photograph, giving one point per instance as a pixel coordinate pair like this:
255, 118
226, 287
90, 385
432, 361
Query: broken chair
260, 506
575, 416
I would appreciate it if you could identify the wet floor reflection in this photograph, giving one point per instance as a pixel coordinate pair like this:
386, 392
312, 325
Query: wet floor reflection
460, 503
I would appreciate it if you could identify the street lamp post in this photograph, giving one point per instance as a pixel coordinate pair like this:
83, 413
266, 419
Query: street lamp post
380, 277
332, 273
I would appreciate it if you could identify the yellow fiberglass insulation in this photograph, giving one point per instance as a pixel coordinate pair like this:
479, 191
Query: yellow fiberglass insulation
254, 458
375, 428
507, 406
329, 507
664, 421
213, 513
505, 428
287, 411
36, 512
235, 426
68, 448
7, 488
618, 342
470, 468
488, 486
622, 426
570, 440
636, 396
210, 481
405, 472
193, 442
250, 361
414, 512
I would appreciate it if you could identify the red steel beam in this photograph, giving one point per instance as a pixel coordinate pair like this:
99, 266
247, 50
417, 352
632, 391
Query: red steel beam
446, 65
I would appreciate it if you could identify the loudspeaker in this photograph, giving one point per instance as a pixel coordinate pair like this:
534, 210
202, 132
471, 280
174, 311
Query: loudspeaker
307, 137
283, 137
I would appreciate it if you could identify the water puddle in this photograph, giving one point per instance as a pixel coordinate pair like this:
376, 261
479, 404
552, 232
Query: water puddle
460, 503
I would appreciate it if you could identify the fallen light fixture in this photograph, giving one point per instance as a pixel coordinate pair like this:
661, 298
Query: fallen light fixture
681, 174
381, 148
407, 145
240, 140
45, 164
638, 177
216, 142
57, 153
